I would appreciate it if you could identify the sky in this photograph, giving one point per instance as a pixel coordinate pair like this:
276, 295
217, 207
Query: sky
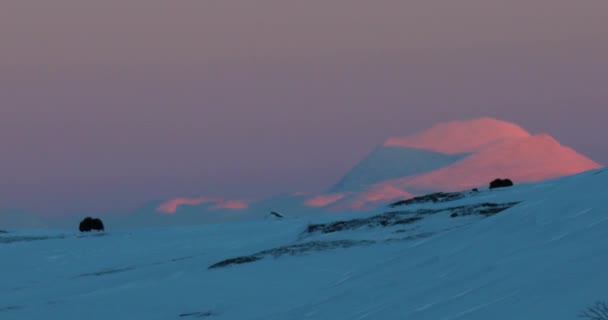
106, 105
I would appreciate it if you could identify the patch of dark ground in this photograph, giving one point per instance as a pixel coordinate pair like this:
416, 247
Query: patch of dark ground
105, 272
432, 198
381, 220
295, 249
276, 214
198, 314
237, 260
14, 239
394, 218
484, 209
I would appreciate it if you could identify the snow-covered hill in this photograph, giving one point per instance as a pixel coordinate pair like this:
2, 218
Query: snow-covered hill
533, 251
387, 162
529, 159
454, 156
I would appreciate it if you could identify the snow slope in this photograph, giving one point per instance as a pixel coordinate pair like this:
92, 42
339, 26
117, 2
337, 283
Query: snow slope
529, 159
386, 163
542, 258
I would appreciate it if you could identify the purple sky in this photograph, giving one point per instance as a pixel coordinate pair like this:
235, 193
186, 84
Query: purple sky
105, 105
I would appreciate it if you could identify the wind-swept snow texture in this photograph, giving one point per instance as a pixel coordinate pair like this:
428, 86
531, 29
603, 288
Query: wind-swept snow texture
535, 251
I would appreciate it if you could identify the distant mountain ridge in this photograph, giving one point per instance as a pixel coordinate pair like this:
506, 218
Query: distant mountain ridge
451, 156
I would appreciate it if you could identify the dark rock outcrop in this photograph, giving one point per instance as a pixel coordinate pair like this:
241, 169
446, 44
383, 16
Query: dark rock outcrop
404, 217
391, 219
381, 220
295, 249
237, 260
430, 198
501, 183
484, 209
276, 214
90, 224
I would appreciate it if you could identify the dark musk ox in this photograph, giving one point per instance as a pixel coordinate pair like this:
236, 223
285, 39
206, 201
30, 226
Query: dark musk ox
89, 224
501, 183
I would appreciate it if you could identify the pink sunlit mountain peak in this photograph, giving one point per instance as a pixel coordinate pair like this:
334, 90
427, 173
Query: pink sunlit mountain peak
461, 136
463, 154
529, 159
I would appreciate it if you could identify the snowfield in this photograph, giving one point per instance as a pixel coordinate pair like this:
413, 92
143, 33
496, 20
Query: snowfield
535, 251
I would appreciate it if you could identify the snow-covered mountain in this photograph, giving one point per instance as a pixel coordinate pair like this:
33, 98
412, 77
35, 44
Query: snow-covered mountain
453, 156
528, 159
532, 251
389, 162
461, 136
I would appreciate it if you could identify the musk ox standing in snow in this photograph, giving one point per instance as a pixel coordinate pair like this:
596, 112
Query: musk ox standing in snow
89, 224
501, 183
